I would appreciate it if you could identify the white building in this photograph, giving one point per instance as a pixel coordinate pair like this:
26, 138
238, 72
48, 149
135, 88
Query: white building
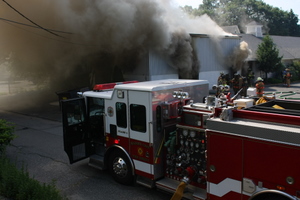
211, 54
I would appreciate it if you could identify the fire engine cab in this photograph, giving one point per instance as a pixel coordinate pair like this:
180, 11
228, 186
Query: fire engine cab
172, 135
121, 126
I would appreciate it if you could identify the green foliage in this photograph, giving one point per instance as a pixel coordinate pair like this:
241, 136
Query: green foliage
241, 12
16, 184
268, 56
6, 134
207, 7
295, 70
294, 28
273, 81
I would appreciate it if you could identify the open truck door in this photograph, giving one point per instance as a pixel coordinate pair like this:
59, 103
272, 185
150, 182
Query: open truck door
77, 140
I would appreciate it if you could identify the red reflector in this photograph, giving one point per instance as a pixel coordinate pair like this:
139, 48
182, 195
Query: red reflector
279, 187
116, 141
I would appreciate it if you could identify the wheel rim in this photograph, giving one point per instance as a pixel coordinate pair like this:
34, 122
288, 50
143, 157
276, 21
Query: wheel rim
120, 167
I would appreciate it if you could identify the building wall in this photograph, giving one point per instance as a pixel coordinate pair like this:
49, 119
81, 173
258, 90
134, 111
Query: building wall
213, 55
152, 66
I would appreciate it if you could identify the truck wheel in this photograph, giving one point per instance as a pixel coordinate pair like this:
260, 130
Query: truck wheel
271, 197
276, 198
120, 168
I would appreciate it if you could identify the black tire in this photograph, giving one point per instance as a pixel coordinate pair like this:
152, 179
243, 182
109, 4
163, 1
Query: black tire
120, 168
270, 196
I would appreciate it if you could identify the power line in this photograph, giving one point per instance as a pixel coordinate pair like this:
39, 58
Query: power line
33, 26
31, 20
63, 41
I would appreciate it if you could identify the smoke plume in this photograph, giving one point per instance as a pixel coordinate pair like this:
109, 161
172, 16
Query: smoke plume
89, 41
239, 55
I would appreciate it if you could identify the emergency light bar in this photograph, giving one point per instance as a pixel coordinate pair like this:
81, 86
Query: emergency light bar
108, 86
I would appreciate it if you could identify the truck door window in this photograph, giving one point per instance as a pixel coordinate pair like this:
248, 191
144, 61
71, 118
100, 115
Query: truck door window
75, 114
138, 117
95, 118
121, 114
95, 106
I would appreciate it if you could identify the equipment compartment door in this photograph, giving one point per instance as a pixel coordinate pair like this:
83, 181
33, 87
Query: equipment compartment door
76, 138
224, 159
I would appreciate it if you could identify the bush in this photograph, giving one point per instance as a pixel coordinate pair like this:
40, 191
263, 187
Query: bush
16, 184
274, 81
295, 70
6, 134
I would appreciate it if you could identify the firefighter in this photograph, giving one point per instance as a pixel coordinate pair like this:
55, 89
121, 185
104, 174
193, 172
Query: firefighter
221, 82
245, 86
283, 76
250, 77
237, 83
287, 77
221, 79
260, 86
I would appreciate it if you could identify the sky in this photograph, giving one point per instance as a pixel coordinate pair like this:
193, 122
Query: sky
285, 5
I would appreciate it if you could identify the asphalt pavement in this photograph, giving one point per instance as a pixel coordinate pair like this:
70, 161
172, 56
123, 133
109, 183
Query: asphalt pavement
284, 92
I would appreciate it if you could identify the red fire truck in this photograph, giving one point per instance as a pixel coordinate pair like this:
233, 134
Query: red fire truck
154, 134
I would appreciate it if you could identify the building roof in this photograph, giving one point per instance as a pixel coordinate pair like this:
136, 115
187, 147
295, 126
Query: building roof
289, 47
231, 29
254, 23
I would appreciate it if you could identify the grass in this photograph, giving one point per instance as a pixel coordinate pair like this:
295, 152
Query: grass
16, 184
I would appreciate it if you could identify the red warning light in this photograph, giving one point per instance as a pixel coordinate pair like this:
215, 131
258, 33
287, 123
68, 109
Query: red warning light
107, 86
126, 82
117, 141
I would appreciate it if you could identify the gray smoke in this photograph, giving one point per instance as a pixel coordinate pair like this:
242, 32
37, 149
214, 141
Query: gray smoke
239, 55
100, 38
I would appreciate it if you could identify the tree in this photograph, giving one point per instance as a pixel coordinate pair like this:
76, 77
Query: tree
268, 56
294, 28
232, 12
241, 12
278, 22
208, 7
